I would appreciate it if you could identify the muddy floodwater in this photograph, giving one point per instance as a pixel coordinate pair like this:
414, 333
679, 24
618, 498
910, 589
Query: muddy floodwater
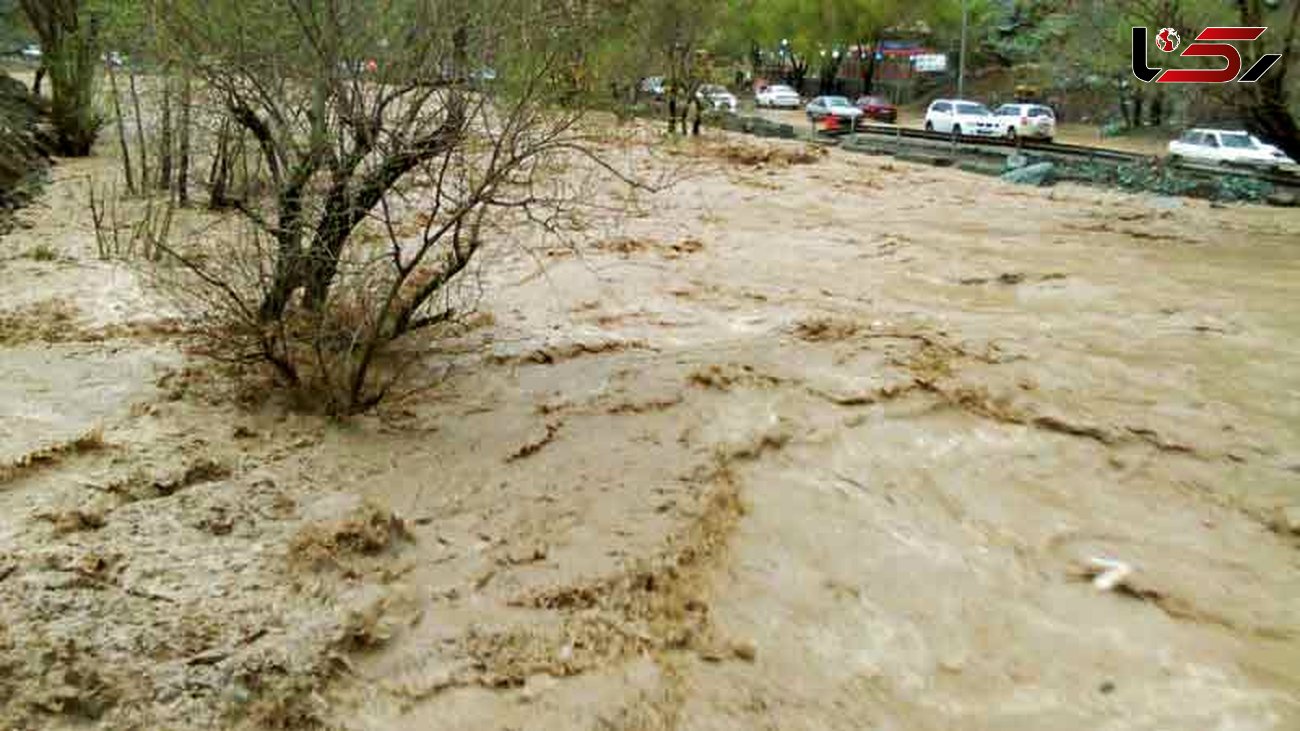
803, 442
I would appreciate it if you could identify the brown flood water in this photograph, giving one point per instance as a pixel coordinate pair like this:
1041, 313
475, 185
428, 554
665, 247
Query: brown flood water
818, 446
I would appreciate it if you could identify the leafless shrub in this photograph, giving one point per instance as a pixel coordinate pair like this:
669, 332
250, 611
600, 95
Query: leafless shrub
368, 190
138, 235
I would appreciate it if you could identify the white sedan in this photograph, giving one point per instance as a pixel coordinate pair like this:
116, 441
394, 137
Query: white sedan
832, 106
717, 98
777, 95
1225, 146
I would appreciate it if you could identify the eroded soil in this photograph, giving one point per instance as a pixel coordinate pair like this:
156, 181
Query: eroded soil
809, 442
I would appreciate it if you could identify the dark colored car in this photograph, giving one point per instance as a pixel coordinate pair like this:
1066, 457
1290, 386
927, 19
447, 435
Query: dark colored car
877, 108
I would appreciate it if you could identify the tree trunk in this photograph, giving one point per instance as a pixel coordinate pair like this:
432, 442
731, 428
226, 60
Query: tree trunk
798, 73
164, 181
139, 133
285, 279
219, 175
347, 205
250, 167
183, 171
1121, 99
71, 61
121, 131
828, 75
869, 70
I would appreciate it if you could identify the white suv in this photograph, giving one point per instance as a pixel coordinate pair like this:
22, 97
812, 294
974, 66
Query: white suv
961, 117
1026, 120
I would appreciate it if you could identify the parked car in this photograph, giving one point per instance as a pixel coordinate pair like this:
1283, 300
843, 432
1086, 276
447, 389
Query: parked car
31, 52
877, 108
832, 106
1226, 146
777, 95
961, 117
716, 97
1026, 120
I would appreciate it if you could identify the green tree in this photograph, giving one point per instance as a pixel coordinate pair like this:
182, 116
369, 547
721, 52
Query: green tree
12, 30
807, 34
1267, 105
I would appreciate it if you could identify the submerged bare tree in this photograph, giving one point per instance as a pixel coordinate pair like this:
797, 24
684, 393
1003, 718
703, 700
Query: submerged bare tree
388, 138
70, 42
676, 31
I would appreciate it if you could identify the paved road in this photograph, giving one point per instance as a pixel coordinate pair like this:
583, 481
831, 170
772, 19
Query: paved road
1076, 134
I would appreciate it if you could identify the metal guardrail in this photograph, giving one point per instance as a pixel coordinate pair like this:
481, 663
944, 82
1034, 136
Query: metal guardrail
946, 149
1274, 176
1002, 142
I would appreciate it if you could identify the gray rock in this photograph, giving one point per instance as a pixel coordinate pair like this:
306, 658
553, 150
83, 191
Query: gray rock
1043, 173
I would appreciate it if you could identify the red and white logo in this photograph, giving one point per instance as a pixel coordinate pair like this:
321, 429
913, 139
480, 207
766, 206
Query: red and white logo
1213, 42
1167, 40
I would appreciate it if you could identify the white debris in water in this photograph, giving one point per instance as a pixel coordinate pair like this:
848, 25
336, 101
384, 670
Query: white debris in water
1110, 573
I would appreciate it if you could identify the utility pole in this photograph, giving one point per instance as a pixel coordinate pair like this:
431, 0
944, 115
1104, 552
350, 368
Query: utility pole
961, 56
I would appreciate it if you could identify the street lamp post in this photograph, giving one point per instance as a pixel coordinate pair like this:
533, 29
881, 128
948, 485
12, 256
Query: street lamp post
961, 56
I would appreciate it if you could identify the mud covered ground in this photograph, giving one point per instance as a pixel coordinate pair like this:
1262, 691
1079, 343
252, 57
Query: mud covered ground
826, 445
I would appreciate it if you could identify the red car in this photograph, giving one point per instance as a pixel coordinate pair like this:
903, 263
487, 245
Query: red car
877, 108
